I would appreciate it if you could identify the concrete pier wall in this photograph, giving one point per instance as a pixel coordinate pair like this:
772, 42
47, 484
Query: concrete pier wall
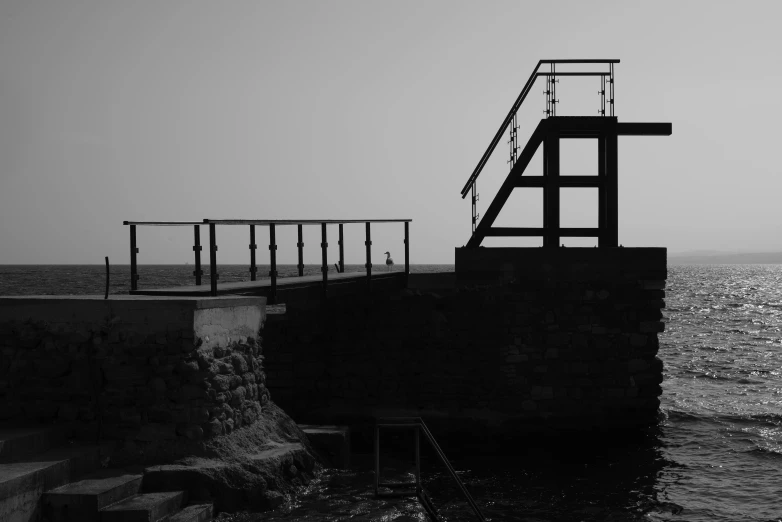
516, 340
149, 370
521, 340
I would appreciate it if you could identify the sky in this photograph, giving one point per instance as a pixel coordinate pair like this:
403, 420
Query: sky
189, 109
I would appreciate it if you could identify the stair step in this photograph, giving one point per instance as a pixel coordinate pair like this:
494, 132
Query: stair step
23, 483
333, 443
17, 442
194, 513
83, 499
149, 507
197, 474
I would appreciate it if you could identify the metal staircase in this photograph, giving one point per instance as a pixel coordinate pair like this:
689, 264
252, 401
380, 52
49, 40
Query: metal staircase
415, 488
605, 128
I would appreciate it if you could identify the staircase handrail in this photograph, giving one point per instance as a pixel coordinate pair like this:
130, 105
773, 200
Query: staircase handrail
514, 109
419, 422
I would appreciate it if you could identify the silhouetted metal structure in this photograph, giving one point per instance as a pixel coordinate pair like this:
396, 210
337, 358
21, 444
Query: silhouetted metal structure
407, 489
270, 289
549, 132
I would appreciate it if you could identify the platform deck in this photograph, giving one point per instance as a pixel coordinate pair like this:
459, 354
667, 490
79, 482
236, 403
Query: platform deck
289, 287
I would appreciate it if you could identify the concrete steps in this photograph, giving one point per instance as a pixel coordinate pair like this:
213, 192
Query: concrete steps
194, 513
228, 483
147, 507
115, 496
23, 481
332, 442
82, 500
60, 484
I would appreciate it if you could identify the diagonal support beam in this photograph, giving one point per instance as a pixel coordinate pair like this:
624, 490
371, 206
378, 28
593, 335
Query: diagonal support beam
509, 184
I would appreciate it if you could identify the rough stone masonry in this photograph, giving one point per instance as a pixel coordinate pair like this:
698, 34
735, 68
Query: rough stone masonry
155, 372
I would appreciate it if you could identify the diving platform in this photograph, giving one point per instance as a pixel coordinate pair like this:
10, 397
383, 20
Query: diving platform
605, 129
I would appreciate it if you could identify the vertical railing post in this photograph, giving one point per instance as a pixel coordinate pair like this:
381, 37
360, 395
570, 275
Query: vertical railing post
197, 254
341, 251
368, 264
377, 459
417, 461
602, 192
611, 84
133, 259
612, 186
407, 251
325, 261
273, 262
300, 244
212, 259
253, 247
551, 191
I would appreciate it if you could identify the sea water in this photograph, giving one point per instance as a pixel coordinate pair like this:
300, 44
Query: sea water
716, 453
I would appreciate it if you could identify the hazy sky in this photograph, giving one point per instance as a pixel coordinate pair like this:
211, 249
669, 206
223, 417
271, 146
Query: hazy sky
186, 109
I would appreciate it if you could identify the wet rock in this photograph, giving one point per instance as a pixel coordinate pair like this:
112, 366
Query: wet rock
238, 395
215, 427
187, 367
274, 499
221, 382
239, 363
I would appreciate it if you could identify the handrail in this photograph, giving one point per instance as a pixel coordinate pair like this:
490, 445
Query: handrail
264, 222
300, 221
162, 223
418, 423
522, 95
514, 109
271, 224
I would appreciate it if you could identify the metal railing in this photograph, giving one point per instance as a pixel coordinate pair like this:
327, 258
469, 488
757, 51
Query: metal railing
551, 102
419, 426
272, 225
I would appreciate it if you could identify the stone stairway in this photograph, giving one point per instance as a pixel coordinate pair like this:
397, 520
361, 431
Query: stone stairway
43, 477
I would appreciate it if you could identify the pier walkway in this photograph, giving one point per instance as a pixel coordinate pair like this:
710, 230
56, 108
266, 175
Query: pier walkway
290, 288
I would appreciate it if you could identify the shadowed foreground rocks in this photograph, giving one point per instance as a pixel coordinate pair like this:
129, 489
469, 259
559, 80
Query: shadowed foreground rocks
255, 467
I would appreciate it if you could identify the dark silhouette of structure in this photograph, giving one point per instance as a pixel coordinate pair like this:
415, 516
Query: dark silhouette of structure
275, 288
604, 128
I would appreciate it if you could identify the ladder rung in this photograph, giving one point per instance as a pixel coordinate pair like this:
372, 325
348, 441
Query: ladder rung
398, 493
393, 485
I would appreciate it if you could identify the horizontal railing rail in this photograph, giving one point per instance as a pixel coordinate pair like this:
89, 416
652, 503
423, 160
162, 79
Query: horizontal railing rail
300, 221
418, 424
163, 223
271, 224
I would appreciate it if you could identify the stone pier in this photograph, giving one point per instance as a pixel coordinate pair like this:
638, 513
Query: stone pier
516, 341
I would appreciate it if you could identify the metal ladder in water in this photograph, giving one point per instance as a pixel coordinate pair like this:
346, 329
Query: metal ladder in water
404, 488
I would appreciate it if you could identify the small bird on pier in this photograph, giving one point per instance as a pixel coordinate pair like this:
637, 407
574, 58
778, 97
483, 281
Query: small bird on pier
389, 261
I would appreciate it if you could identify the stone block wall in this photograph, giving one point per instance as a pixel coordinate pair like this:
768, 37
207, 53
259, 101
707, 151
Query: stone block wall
526, 340
141, 369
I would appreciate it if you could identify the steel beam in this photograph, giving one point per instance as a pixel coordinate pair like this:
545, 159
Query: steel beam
197, 254
644, 129
212, 259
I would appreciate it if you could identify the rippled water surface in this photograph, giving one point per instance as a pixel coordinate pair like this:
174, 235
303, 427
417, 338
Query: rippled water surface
716, 454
